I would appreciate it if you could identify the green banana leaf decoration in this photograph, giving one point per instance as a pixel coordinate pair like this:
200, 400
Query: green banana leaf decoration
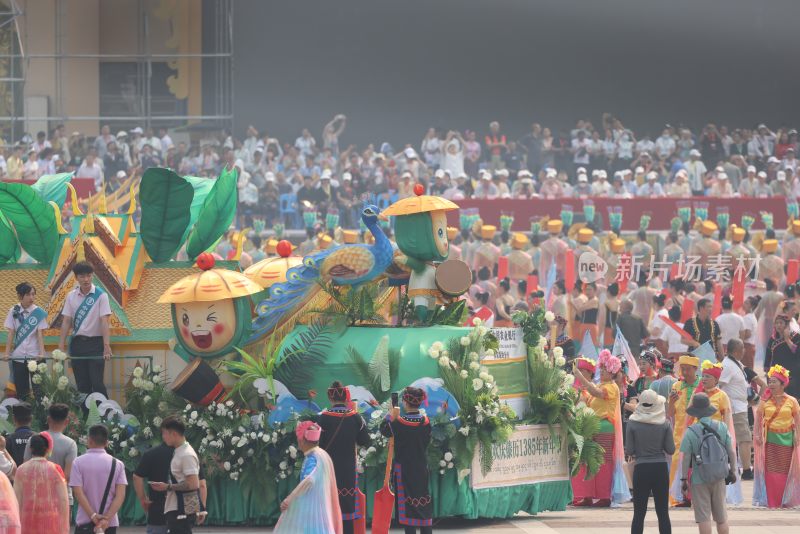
202, 187
216, 216
53, 187
9, 245
166, 201
33, 220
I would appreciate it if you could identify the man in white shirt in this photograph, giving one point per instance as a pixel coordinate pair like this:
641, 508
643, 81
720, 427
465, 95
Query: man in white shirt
749, 331
306, 143
90, 168
102, 140
601, 187
645, 145
85, 316
652, 188
183, 497
581, 149
166, 140
697, 171
665, 145
734, 382
731, 324
675, 345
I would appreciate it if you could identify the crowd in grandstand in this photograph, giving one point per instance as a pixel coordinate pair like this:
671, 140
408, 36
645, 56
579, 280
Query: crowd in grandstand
278, 177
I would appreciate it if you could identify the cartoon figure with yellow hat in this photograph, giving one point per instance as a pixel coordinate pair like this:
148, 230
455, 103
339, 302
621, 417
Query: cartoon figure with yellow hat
553, 250
791, 243
210, 310
771, 265
421, 233
487, 254
520, 263
706, 246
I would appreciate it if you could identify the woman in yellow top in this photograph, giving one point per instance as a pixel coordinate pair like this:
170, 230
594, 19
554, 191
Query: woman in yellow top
776, 442
709, 381
679, 398
609, 484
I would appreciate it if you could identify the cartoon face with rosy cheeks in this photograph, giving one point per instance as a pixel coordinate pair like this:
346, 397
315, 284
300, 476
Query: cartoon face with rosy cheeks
206, 327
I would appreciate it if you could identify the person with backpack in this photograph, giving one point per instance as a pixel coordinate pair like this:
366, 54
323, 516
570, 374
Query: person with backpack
707, 449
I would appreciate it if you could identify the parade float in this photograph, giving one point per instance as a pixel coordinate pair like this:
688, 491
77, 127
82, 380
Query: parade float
242, 355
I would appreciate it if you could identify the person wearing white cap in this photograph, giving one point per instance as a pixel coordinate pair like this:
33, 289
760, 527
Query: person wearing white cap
582, 188
618, 189
721, 187
628, 182
601, 187
789, 160
697, 171
485, 188
680, 187
781, 186
748, 183
551, 188
501, 181
762, 188
651, 189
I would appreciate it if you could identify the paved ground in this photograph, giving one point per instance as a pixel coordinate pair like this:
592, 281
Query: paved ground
743, 520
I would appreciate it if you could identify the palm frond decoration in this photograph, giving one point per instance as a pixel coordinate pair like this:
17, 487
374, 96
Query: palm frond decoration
379, 365
366, 376
452, 314
350, 306
583, 449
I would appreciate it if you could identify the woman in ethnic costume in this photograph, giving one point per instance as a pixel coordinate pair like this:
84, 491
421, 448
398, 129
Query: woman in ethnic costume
776, 441
412, 434
343, 429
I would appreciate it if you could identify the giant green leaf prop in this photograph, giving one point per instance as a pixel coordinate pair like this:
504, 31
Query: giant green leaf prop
202, 187
216, 216
53, 187
166, 201
9, 245
33, 219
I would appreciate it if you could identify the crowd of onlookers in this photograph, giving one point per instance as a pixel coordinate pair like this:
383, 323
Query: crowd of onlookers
279, 179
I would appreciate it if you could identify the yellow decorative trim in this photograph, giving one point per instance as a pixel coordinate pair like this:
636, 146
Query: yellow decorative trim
76, 207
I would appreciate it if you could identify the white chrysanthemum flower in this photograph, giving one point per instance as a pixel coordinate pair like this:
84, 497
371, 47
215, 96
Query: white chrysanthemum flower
464, 341
240, 461
549, 316
157, 421
37, 379
558, 352
449, 465
474, 356
560, 361
138, 372
474, 366
442, 463
156, 369
444, 361
433, 353
448, 456
63, 382
484, 375
133, 452
59, 355
477, 321
32, 368
41, 368
227, 466
477, 384
464, 373
58, 367
490, 353
147, 399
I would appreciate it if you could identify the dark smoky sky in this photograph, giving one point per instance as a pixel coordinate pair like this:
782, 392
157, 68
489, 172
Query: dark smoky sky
396, 67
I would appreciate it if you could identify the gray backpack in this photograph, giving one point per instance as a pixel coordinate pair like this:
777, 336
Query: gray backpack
711, 461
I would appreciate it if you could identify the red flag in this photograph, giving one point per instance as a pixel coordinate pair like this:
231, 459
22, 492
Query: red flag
533, 284
502, 268
687, 310
670, 323
674, 271
624, 273
716, 308
792, 271
569, 270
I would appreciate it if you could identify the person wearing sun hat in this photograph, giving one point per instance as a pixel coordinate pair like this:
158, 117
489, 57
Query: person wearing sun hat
455, 249
412, 435
706, 246
678, 401
609, 484
487, 253
777, 444
313, 505
648, 440
771, 265
708, 496
791, 242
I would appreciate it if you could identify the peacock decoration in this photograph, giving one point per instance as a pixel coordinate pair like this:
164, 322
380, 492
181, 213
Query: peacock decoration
345, 265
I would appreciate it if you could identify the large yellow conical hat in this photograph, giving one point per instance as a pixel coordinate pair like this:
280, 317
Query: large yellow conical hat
272, 270
419, 204
208, 286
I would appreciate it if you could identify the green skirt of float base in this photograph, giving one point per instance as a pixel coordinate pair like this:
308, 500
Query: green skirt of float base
230, 504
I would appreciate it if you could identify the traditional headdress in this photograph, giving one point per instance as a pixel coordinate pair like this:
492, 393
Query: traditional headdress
713, 369
415, 396
779, 372
610, 363
667, 365
586, 364
308, 430
339, 394
688, 359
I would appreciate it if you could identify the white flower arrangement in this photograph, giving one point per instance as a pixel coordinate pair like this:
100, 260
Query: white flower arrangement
444, 361
59, 355
32, 368
477, 384
549, 316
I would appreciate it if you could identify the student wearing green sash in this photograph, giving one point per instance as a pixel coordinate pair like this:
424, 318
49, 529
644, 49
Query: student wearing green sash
25, 322
86, 316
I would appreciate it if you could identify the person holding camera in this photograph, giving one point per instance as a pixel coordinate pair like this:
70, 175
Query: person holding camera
25, 342
707, 448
